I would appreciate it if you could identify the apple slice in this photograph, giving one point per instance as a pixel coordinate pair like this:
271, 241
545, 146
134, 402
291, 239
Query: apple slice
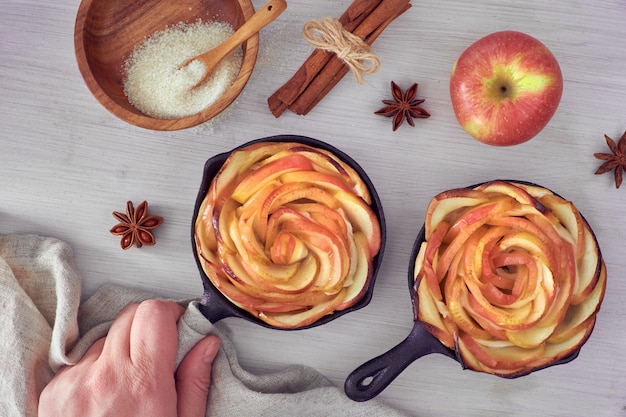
361, 217
268, 172
448, 202
362, 273
326, 161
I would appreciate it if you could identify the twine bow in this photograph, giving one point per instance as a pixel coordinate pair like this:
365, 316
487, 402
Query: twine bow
330, 35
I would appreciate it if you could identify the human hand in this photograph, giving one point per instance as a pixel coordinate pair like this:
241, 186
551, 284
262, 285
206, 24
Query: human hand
130, 372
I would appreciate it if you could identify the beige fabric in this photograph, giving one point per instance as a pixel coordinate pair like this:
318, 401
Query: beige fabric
42, 327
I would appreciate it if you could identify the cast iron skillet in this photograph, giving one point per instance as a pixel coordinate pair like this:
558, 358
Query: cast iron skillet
371, 378
213, 304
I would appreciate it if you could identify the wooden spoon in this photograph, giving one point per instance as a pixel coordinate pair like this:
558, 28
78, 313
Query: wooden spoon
264, 16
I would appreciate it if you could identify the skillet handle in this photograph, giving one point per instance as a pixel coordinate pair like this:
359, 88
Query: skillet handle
371, 378
214, 308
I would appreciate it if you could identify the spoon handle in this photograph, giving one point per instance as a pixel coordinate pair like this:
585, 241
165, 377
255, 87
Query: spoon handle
264, 16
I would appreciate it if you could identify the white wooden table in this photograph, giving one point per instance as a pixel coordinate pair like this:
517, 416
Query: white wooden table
66, 164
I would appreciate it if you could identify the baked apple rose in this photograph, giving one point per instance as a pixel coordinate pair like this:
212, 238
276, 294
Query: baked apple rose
286, 232
510, 275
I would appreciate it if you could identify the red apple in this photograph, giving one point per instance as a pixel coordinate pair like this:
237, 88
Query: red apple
505, 88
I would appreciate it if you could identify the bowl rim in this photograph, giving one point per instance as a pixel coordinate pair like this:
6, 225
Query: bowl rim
251, 48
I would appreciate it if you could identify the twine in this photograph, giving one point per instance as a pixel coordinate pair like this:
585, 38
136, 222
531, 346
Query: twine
330, 35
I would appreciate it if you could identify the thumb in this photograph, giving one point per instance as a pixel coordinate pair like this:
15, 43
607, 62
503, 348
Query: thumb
193, 377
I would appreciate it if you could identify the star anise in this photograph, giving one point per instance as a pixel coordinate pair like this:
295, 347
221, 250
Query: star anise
403, 106
616, 160
135, 226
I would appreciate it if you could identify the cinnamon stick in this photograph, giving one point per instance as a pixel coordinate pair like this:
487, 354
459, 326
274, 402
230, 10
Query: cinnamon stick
289, 92
335, 69
323, 70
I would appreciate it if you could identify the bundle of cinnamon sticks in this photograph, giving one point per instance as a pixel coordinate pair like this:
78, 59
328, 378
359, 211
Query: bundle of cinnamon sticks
322, 70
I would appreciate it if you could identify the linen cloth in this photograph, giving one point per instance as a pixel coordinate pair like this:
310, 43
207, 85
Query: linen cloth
43, 327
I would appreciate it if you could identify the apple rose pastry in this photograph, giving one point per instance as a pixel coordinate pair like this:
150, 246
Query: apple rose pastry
286, 232
510, 275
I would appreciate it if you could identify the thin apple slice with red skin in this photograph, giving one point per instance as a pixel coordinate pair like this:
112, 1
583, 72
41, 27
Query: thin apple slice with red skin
588, 268
362, 274
496, 332
561, 350
431, 318
362, 218
447, 202
204, 236
510, 358
457, 301
507, 319
520, 193
331, 250
539, 226
251, 295
540, 250
331, 219
240, 161
465, 225
290, 192
524, 281
253, 304
332, 272
211, 209
257, 179
426, 271
577, 230
326, 161
508, 189
225, 225
578, 315
432, 311
471, 362
531, 337
588, 252
306, 317
536, 191
306, 273
250, 211
287, 249
329, 182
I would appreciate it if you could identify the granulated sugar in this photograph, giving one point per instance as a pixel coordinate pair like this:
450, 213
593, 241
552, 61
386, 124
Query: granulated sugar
157, 87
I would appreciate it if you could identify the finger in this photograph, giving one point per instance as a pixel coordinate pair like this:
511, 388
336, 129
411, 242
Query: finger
193, 377
117, 343
94, 351
154, 334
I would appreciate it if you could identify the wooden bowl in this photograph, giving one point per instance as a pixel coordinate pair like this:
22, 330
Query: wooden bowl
107, 31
